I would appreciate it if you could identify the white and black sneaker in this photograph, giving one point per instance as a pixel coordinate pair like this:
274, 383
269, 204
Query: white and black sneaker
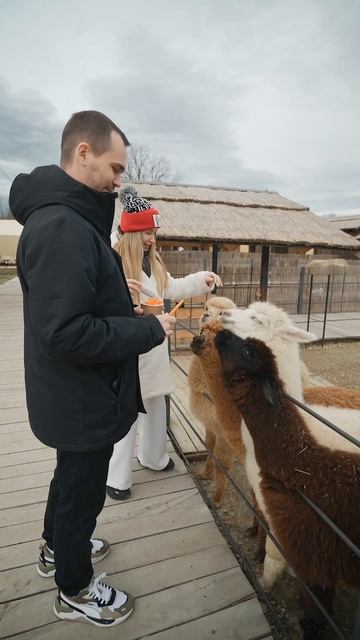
46, 563
99, 603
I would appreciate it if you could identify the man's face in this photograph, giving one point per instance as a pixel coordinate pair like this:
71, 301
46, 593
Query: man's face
103, 173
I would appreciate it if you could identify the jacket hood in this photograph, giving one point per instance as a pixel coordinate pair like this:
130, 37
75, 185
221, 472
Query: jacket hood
50, 185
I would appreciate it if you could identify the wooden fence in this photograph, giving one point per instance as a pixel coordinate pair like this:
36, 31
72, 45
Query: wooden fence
289, 279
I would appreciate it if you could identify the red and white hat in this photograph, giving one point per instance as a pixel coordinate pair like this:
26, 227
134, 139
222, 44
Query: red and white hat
138, 213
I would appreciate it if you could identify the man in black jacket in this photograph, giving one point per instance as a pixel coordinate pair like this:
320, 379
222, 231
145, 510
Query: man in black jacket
82, 342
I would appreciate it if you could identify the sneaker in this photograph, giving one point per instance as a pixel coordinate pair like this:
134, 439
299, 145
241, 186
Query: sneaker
46, 563
118, 494
98, 604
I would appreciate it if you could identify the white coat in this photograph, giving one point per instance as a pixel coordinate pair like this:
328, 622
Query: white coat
154, 366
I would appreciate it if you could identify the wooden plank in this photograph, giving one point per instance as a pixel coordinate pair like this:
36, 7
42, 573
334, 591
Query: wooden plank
27, 469
24, 581
32, 501
19, 483
11, 364
6, 395
42, 453
42, 479
45, 461
14, 427
33, 488
242, 621
182, 540
27, 443
155, 611
18, 436
180, 433
17, 414
137, 517
197, 445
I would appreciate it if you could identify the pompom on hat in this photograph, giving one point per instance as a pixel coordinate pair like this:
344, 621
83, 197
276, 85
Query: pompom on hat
138, 213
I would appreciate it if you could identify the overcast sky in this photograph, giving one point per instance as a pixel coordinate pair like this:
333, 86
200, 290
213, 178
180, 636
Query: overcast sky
261, 94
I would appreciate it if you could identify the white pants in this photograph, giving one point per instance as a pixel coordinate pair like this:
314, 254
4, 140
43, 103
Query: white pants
151, 446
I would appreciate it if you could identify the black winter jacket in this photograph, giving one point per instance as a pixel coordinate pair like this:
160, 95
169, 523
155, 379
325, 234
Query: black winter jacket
81, 337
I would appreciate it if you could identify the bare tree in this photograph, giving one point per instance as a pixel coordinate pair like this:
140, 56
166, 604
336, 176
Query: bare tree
144, 166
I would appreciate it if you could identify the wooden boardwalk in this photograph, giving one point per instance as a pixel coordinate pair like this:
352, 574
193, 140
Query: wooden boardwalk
166, 548
339, 326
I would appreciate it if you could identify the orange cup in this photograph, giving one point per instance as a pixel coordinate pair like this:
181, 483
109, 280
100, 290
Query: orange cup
153, 305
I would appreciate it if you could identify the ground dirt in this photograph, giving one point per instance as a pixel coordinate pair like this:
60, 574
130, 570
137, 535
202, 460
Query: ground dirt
339, 363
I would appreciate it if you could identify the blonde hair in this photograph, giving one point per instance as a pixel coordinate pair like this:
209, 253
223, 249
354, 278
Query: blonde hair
131, 250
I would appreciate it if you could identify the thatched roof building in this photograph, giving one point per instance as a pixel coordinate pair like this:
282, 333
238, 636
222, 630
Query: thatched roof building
218, 214
349, 224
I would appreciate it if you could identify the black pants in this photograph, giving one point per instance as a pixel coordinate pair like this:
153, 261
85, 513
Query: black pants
76, 497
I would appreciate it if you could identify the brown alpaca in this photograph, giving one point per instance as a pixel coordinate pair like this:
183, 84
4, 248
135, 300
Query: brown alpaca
226, 420
333, 397
292, 460
202, 406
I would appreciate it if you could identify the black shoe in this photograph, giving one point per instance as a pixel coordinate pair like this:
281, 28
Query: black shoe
170, 465
118, 494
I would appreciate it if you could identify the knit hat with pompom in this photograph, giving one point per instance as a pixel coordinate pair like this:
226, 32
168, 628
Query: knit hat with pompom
138, 213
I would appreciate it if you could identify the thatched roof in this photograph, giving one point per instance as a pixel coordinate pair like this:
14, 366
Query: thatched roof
346, 222
191, 212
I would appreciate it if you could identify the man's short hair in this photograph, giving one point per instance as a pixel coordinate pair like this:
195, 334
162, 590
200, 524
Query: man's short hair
92, 127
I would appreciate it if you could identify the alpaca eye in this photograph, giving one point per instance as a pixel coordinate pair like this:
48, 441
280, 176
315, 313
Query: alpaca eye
246, 352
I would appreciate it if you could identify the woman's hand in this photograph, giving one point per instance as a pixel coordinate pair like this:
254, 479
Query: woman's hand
134, 285
213, 279
138, 310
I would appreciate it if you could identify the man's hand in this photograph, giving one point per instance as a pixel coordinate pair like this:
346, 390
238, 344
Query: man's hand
167, 322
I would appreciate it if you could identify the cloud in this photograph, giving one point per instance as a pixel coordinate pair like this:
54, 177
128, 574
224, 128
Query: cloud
248, 94
30, 134
166, 100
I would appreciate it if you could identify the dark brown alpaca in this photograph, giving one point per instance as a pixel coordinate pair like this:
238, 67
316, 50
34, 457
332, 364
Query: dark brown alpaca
292, 460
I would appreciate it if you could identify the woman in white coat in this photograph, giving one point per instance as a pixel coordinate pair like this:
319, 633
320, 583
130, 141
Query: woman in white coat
143, 266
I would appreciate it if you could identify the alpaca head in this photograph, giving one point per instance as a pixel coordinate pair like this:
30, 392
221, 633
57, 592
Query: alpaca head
214, 308
203, 345
248, 362
273, 326
265, 321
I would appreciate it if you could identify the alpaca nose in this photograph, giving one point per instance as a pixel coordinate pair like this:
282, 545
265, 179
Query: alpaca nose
197, 344
225, 316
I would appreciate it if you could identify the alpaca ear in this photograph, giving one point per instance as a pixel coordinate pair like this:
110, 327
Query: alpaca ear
270, 392
294, 334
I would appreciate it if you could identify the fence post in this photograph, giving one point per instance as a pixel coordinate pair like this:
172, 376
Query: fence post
357, 624
264, 272
301, 290
310, 296
214, 260
251, 281
342, 291
326, 308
